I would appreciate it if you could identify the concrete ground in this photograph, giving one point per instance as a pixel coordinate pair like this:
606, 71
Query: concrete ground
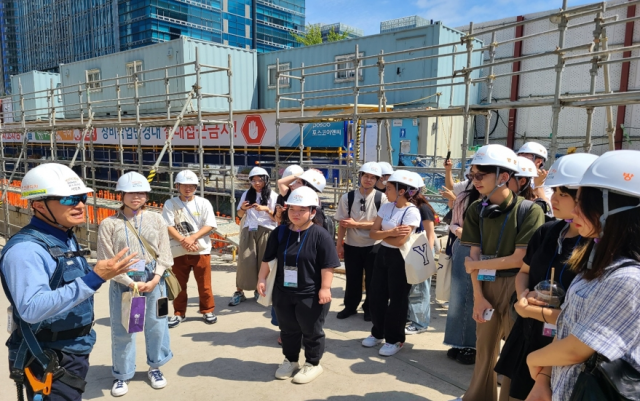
237, 357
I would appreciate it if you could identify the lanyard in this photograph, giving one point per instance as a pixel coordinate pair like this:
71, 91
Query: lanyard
126, 234
189, 211
499, 237
559, 281
302, 243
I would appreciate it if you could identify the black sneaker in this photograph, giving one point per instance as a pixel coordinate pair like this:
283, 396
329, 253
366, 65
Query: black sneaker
367, 316
466, 356
452, 353
343, 314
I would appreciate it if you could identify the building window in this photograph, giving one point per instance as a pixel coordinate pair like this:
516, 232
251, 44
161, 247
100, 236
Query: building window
284, 81
93, 78
132, 68
345, 67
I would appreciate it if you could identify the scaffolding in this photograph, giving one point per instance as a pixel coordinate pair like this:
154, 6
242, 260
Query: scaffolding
183, 108
594, 53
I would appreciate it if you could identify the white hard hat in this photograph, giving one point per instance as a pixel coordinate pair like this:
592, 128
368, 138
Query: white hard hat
526, 168
534, 148
52, 179
385, 168
407, 178
568, 170
258, 171
187, 177
133, 182
371, 168
315, 179
496, 155
293, 169
303, 196
617, 171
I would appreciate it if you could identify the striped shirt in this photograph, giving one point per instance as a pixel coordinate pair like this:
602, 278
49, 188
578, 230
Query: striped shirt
112, 238
604, 314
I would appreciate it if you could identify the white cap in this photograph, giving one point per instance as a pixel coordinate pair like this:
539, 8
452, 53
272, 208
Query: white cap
303, 196
52, 179
293, 169
133, 182
315, 179
496, 155
385, 168
258, 171
534, 148
407, 178
526, 168
371, 168
617, 171
187, 177
568, 170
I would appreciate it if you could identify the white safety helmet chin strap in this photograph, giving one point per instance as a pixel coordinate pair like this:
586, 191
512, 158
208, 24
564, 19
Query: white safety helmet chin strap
603, 220
485, 201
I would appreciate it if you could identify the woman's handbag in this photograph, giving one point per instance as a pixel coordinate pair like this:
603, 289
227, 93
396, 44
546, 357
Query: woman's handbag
133, 311
173, 286
271, 281
418, 258
604, 380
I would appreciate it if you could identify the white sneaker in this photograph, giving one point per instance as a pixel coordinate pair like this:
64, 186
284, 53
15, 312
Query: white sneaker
371, 341
174, 321
413, 329
286, 369
308, 373
390, 349
119, 388
157, 378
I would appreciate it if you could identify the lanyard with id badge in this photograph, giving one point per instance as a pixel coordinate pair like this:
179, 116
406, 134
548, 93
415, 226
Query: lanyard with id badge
490, 274
138, 271
291, 272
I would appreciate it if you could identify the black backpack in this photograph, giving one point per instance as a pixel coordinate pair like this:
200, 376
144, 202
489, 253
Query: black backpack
351, 197
548, 213
328, 223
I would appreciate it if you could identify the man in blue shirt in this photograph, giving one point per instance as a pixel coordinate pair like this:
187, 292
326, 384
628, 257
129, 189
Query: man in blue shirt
50, 287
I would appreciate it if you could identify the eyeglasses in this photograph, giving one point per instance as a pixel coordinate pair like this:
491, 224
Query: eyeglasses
72, 200
257, 181
192, 187
363, 205
476, 176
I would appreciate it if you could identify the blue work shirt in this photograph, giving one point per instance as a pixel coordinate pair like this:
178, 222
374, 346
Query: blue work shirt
27, 268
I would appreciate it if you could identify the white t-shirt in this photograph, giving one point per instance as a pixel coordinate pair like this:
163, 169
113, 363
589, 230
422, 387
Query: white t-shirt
356, 236
256, 218
198, 213
393, 217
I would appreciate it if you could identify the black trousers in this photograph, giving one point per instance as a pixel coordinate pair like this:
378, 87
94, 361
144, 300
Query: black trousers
301, 318
358, 260
76, 364
389, 300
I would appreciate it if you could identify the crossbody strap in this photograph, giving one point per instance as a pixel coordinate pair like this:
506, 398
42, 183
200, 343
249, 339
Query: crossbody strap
141, 238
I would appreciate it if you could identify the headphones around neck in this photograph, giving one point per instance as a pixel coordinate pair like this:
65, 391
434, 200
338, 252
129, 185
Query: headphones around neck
489, 211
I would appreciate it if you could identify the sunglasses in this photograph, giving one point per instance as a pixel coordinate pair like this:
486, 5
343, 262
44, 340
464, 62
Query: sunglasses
72, 200
476, 176
363, 205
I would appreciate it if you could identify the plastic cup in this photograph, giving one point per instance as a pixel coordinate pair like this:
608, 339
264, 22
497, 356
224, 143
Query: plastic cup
550, 295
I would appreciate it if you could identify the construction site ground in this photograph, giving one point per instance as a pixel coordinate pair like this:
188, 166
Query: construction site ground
238, 356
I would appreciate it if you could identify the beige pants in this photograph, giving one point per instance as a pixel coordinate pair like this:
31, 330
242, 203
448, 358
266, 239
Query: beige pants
483, 386
250, 253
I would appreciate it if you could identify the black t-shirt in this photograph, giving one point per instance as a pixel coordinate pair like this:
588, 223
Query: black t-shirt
315, 251
426, 213
282, 199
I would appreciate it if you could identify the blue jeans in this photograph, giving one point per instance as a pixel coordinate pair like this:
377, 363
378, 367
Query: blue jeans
460, 331
420, 304
274, 318
123, 344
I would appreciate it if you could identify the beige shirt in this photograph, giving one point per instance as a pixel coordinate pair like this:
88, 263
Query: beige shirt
356, 236
112, 239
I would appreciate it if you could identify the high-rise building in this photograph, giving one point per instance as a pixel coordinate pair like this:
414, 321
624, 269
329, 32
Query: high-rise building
340, 28
40, 35
400, 24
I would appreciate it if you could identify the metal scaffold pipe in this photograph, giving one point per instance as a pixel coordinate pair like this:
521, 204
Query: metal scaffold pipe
490, 79
557, 107
467, 97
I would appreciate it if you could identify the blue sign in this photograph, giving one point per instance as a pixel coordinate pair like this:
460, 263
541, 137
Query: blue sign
403, 132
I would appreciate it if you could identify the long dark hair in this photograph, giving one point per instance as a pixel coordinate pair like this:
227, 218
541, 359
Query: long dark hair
527, 192
265, 194
620, 237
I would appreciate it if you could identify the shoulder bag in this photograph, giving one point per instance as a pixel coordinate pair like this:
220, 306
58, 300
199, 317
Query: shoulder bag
604, 380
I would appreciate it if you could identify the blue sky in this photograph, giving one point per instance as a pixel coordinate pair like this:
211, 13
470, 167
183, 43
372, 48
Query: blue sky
367, 14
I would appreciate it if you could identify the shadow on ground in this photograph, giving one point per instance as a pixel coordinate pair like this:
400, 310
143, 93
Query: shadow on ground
231, 369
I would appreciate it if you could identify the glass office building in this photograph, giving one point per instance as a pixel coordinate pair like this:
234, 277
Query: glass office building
41, 34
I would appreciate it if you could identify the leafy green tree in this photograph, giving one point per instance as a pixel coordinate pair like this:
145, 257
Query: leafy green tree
313, 36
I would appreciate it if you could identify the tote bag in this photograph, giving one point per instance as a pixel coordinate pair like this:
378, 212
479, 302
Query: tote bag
418, 259
133, 311
445, 264
271, 280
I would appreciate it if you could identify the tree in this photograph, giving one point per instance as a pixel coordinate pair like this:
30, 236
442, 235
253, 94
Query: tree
313, 36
